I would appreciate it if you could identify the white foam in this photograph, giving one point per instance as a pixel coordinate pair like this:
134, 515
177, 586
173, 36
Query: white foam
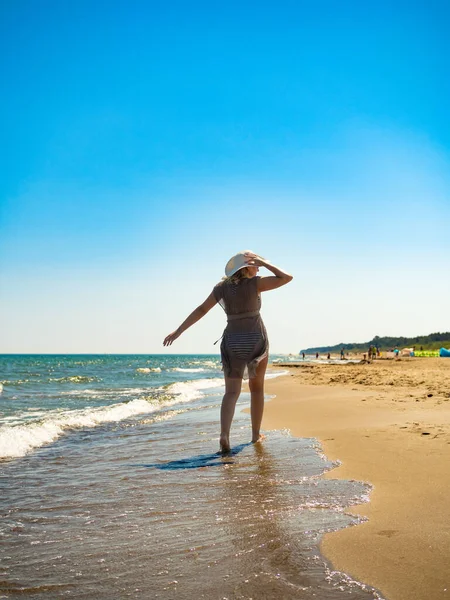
272, 375
206, 363
74, 379
196, 370
18, 440
189, 390
148, 370
117, 393
1, 388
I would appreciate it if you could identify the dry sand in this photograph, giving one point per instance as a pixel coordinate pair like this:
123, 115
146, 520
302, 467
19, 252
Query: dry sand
388, 423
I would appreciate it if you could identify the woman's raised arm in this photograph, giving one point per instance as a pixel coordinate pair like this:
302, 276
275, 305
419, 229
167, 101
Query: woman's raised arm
195, 316
269, 283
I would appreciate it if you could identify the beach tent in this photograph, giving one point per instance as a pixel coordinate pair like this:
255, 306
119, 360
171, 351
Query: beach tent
443, 352
407, 352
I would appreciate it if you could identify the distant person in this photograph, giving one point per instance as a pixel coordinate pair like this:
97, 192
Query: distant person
244, 341
317, 355
328, 356
303, 355
342, 354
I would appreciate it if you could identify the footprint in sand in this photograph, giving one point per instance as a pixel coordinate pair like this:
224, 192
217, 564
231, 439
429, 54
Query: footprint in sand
387, 532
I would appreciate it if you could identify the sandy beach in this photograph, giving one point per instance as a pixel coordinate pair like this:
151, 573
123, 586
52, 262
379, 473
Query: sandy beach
388, 423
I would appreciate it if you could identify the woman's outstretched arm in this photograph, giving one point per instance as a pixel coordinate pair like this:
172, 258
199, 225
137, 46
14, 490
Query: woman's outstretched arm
195, 316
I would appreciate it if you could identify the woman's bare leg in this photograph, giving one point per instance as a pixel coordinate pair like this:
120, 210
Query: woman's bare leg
232, 391
256, 385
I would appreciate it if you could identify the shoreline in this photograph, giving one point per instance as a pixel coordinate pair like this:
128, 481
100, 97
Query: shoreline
388, 423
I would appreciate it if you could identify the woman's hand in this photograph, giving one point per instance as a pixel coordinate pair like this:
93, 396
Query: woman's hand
168, 341
253, 260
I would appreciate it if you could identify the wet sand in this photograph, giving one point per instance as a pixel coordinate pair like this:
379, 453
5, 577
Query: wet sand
388, 423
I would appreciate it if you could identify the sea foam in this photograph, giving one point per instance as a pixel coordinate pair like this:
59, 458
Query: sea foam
188, 370
274, 374
18, 440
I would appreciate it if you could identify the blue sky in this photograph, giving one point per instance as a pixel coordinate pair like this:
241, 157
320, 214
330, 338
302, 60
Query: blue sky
146, 144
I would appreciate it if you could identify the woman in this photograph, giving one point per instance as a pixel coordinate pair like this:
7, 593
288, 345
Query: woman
244, 343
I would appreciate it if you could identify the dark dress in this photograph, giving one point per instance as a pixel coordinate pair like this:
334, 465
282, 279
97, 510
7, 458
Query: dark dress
244, 343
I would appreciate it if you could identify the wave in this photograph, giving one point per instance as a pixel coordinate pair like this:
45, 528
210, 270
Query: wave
74, 379
67, 379
105, 393
214, 364
190, 390
14, 382
189, 370
148, 370
274, 374
18, 440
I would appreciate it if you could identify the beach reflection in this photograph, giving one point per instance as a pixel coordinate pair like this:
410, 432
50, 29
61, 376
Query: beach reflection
257, 503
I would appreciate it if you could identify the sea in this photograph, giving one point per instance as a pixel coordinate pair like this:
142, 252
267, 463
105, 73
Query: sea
112, 486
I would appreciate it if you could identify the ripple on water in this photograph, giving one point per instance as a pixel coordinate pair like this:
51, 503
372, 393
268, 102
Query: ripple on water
157, 512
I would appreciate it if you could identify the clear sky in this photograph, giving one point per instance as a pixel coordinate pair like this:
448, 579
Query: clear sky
144, 143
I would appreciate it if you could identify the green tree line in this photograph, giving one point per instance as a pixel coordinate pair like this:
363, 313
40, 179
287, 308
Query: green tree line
433, 341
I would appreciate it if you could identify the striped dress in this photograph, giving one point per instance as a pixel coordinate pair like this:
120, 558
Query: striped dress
244, 343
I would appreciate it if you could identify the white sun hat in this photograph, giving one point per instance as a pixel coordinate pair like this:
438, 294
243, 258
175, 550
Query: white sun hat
238, 261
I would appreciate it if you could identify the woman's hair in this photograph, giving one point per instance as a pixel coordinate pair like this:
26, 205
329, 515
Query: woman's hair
236, 277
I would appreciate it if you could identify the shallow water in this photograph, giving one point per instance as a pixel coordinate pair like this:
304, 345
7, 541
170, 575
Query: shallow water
144, 507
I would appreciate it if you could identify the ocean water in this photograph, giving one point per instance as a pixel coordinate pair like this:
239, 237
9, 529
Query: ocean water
112, 487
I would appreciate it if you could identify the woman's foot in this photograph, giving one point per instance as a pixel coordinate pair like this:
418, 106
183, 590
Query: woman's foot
258, 438
224, 443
